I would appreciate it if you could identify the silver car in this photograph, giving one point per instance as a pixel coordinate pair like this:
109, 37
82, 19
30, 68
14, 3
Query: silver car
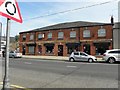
112, 56
13, 54
82, 56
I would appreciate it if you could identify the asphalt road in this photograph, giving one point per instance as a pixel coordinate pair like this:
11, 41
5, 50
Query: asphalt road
35, 73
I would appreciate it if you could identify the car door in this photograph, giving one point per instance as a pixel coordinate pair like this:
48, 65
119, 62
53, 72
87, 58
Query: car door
76, 56
83, 56
118, 55
11, 53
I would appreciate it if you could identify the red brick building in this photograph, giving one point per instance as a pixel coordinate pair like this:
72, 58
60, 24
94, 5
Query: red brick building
62, 39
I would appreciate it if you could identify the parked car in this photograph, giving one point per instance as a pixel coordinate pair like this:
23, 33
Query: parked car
112, 56
82, 56
14, 54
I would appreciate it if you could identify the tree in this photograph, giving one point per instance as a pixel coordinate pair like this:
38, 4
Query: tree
16, 38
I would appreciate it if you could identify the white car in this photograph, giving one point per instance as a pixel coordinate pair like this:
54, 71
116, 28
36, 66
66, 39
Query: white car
112, 56
82, 56
13, 54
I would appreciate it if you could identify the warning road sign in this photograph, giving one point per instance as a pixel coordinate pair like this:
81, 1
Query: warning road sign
10, 9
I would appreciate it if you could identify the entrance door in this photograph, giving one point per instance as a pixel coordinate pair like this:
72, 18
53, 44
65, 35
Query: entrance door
86, 48
60, 50
23, 50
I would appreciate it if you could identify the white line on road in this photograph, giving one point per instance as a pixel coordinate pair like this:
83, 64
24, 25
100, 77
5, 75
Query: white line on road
27, 63
72, 66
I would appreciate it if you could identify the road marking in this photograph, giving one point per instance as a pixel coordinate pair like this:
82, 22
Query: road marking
27, 62
14, 86
72, 66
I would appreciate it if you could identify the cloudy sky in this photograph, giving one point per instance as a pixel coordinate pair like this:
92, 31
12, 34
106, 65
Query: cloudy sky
41, 13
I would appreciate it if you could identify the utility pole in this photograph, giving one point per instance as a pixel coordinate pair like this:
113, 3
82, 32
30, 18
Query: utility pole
0, 34
6, 84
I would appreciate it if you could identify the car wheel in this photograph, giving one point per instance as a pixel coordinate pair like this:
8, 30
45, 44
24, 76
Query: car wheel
90, 60
111, 60
71, 60
13, 56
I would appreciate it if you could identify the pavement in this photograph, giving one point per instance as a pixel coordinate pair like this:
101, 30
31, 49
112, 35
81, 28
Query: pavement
61, 58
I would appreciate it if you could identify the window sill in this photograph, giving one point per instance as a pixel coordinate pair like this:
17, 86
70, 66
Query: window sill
60, 39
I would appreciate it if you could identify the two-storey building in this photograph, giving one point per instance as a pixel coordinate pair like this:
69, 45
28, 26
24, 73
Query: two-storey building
62, 39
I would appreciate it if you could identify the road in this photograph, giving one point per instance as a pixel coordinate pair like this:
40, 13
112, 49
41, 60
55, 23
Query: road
35, 73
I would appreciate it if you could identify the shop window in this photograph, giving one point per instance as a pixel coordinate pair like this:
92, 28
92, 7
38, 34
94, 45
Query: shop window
86, 33
31, 49
31, 37
60, 35
24, 38
101, 33
49, 49
39, 49
72, 49
73, 34
50, 35
100, 50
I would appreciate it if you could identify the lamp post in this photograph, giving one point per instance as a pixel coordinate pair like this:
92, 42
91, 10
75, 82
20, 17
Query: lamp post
0, 34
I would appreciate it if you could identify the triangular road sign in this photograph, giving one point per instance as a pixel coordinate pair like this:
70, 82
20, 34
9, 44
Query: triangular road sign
10, 9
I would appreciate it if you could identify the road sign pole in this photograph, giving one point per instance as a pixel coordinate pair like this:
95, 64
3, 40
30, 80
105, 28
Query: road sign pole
6, 84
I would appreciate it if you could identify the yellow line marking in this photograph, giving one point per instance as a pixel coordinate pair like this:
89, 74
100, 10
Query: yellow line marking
15, 86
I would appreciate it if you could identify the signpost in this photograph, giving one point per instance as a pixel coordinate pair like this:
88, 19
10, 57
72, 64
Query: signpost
9, 9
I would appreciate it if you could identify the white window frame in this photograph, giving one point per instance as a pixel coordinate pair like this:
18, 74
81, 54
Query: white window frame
49, 35
32, 37
73, 34
86, 34
60, 35
40, 36
101, 32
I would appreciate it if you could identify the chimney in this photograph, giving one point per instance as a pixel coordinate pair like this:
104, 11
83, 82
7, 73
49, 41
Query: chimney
112, 20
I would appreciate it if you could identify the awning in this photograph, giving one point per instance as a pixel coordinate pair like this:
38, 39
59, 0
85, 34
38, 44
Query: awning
49, 44
73, 44
101, 43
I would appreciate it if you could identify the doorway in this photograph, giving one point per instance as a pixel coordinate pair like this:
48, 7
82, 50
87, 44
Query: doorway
86, 48
23, 50
60, 50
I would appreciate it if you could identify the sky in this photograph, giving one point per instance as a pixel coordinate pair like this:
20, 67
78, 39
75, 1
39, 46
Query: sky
39, 13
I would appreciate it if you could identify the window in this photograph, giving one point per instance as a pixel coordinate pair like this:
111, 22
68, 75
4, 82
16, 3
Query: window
24, 37
49, 35
115, 52
101, 33
73, 34
83, 54
31, 49
76, 53
31, 37
86, 33
49, 49
60, 35
40, 36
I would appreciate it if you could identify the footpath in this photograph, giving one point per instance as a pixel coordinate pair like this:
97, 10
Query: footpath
58, 58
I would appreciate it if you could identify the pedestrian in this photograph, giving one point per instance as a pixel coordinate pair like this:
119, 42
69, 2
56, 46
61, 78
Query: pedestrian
3, 53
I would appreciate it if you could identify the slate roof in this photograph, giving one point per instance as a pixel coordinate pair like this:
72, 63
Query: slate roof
68, 25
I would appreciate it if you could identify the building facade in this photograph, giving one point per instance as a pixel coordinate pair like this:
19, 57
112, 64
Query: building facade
62, 39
